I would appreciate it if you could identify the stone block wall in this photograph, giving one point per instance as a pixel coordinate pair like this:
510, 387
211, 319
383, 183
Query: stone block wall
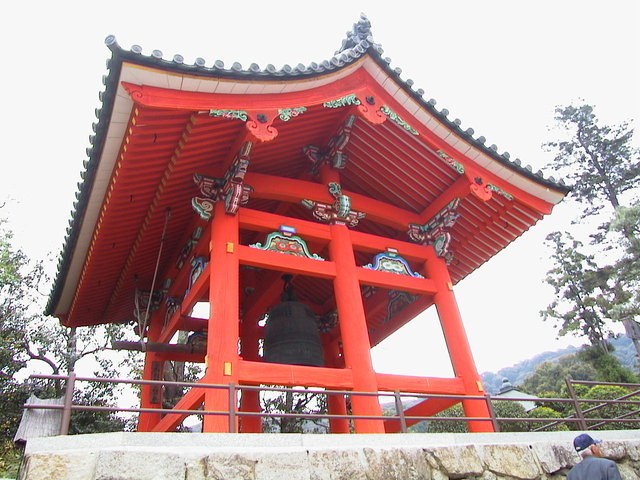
138, 456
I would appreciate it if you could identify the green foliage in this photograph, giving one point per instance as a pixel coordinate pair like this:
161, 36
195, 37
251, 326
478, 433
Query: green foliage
299, 402
86, 421
13, 396
510, 409
605, 170
448, 426
583, 291
550, 376
607, 366
627, 268
611, 392
502, 409
10, 458
546, 413
599, 160
27, 337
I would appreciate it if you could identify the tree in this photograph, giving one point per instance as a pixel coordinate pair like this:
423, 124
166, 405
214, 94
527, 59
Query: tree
548, 380
599, 160
300, 402
605, 169
627, 221
29, 338
582, 290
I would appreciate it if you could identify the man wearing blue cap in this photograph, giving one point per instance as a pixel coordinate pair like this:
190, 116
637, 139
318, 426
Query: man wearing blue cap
592, 466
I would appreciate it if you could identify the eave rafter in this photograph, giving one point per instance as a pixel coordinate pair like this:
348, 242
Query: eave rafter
154, 206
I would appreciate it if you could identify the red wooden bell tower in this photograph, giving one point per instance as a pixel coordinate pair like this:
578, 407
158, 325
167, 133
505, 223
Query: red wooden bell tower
207, 184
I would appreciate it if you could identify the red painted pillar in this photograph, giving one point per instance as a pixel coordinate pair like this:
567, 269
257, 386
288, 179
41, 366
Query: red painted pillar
457, 342
250, 400
353, 329
223, 329
151, 396
336, 404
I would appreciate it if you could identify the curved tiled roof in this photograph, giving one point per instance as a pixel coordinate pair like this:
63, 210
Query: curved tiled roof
358, 43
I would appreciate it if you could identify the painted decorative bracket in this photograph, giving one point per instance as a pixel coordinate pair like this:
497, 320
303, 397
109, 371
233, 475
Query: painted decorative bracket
198, 265
499, 191
333, 153
287, 114
338, 213
173, 304
391, 262
436, 231
259, 124
480, 190
143, 297
366, 109
188, 247
398, 300
395, 118
230, 189
453, 163
285, 241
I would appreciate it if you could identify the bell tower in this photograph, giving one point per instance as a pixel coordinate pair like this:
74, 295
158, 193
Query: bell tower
315, 209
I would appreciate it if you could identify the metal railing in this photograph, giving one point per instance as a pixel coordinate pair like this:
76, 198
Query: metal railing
578, 418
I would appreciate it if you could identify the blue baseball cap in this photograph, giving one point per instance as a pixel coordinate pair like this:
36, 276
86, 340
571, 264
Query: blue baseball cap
583, 441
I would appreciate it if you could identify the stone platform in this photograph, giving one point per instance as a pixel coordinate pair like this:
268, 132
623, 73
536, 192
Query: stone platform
198, 456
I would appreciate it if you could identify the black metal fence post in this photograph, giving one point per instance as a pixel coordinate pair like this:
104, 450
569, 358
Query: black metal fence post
492, 412
400, 411
232, 407
68, 401
581, 421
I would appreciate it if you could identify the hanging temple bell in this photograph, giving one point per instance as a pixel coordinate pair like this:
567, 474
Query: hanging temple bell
291, 333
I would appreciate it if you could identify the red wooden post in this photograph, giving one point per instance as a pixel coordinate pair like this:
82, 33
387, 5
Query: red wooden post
457, 343
353, 329
336, 404
151, 395
250, 399
223, 329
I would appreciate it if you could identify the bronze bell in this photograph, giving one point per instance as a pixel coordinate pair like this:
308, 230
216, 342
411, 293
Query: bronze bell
291, 333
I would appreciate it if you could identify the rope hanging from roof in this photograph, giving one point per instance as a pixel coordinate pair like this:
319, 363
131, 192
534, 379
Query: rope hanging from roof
139, 298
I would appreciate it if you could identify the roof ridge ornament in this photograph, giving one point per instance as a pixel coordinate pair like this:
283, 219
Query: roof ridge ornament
360, 33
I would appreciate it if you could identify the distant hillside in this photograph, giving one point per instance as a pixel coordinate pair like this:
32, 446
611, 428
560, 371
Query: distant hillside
624, 351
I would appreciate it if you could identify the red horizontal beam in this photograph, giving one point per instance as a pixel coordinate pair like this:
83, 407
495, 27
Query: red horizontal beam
395, 281
422, 385
270, 222
271, 187
283, 262
256, 373
183, 100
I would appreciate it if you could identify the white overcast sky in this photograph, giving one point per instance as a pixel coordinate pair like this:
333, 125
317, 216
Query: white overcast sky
499, 66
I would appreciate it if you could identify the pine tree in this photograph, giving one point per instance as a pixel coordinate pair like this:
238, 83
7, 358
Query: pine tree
605, 170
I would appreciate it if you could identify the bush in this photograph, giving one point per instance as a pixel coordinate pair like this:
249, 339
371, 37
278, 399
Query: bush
546, 412
10, 458
512, 409
611, 392
448, 426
